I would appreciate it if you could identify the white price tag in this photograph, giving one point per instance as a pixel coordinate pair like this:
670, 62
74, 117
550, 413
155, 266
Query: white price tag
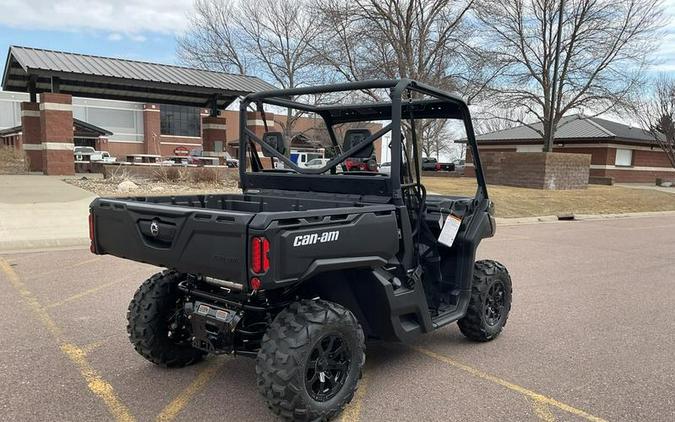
450, 229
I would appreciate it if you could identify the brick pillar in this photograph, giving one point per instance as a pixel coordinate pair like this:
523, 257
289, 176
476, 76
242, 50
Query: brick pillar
102, 143
32, 144
151, 129
469, 170
214, 136
255, 123
56, 128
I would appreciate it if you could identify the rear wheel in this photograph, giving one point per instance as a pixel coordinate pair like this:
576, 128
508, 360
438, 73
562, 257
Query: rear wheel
156, 323
310, 360
490, 302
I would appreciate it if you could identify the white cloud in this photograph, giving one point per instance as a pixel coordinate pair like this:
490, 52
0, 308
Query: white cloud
117, 16
115, 36
137, 37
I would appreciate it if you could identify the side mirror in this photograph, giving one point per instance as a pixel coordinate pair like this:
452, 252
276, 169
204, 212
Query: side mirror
276, 141
354, 137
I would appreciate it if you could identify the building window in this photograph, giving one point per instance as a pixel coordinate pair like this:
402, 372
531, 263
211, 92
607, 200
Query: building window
179, 120
624, 158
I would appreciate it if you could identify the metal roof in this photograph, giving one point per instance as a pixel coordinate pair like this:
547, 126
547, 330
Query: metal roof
79, 126
571, 127
105, 77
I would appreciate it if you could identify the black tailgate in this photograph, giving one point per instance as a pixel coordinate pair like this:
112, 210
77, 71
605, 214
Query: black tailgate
194, 240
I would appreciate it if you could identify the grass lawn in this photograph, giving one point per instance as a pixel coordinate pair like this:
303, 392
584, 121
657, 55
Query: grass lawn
522, 202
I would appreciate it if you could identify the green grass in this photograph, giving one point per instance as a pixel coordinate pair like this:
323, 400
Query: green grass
523, 202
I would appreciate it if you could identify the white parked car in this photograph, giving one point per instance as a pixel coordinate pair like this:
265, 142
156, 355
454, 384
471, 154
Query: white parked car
385, 167
106, 158
316, 163
91, 155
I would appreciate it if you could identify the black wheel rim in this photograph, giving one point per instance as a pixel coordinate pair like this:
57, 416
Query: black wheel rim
327, 367
494, 303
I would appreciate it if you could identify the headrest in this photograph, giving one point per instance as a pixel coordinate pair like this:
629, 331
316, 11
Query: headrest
276, 141
354, 137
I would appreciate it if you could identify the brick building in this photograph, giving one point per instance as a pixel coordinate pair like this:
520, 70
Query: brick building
626, 153
143, 108
148, 108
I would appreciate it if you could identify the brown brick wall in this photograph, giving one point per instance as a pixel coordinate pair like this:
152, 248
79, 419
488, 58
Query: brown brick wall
151, 129
211, 135
600, 155
31, 135
656, 158
537, 169
56, 126
168, 150
122, 149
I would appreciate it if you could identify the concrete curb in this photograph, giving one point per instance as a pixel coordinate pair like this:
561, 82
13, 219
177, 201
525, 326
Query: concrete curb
579, 217
17, 246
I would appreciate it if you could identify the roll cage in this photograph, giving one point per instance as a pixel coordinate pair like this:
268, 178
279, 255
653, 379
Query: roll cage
441, 105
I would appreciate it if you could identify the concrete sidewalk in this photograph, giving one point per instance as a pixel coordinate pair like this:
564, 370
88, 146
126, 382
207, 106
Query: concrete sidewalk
647, 186
42, 212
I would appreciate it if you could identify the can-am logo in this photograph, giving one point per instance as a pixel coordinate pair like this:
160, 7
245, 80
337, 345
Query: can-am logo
311, 239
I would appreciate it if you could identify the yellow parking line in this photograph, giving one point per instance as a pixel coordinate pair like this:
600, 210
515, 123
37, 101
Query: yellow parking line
352, 412
177, 405
95, 382
90, 347
82, 294
542, 411
539, 398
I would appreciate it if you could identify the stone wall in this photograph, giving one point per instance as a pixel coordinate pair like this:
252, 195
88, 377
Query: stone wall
539, 170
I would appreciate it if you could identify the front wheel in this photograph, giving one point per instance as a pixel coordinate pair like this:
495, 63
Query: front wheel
490, 302
310, 360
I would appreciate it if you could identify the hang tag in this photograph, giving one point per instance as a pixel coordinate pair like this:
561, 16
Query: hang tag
450, 229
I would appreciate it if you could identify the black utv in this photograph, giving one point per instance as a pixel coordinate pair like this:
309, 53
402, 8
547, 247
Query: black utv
306, 263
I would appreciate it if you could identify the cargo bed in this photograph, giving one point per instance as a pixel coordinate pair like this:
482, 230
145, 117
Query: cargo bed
208, 234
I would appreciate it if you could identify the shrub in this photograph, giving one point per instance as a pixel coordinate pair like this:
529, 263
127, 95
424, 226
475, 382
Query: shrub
168, 174
204, 175
12, 161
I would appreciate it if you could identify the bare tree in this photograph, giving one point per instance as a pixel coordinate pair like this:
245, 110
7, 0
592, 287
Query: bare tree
562, 55
657, 114
425, 40
267, 38
436, 139
496, 119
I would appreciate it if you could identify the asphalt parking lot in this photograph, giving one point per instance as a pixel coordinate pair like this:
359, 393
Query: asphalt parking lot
591, 336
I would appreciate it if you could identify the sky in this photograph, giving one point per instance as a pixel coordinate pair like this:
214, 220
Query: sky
133, 29
140, 29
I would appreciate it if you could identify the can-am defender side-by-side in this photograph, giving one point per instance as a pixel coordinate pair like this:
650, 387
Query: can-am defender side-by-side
306, 263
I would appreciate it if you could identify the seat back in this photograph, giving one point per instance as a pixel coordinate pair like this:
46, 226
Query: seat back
354, 137
276, 141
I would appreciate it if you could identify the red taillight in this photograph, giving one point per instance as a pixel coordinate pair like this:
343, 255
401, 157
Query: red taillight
256, 255
256, 283
260, 249
92, 247
265, 255
438, 167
